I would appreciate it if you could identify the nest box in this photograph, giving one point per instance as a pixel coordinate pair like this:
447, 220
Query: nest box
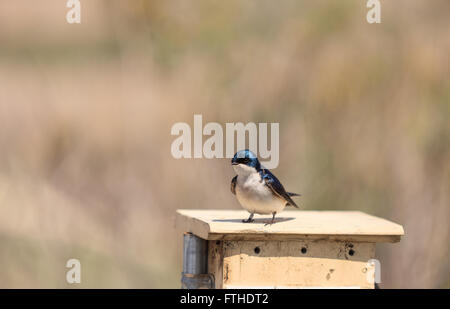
301, 249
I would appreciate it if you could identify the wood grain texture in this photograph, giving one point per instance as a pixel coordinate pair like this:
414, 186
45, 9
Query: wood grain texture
215, 262
289, 225
297, 264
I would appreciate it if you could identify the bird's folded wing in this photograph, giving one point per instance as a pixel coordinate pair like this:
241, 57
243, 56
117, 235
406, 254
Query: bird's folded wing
275, 185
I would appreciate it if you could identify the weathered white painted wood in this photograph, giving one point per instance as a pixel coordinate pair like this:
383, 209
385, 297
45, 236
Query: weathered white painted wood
299, 264
289, 225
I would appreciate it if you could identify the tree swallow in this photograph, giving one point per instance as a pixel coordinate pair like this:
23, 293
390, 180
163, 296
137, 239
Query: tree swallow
256, 188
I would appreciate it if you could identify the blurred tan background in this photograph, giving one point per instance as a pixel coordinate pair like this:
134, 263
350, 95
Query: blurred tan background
86, 110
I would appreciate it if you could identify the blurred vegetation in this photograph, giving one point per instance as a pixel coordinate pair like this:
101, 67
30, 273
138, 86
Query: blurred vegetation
86, 111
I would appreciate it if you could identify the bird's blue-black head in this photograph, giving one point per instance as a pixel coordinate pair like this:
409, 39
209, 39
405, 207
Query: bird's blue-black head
246, 157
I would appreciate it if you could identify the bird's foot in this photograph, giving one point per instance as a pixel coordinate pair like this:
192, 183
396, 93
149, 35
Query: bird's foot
272, 221
250, 219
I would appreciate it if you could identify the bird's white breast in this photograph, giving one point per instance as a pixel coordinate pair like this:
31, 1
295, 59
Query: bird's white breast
254, 196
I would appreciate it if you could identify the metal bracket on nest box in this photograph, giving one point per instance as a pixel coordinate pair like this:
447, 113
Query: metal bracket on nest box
201, 281
195, 263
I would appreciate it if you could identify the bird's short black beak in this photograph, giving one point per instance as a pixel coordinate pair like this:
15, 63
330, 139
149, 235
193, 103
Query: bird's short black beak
234, 163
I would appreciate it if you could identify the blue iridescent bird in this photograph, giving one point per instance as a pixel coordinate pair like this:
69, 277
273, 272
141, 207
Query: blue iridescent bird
256, 188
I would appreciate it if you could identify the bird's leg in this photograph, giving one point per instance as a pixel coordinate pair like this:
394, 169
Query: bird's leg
250, 219
273, 219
